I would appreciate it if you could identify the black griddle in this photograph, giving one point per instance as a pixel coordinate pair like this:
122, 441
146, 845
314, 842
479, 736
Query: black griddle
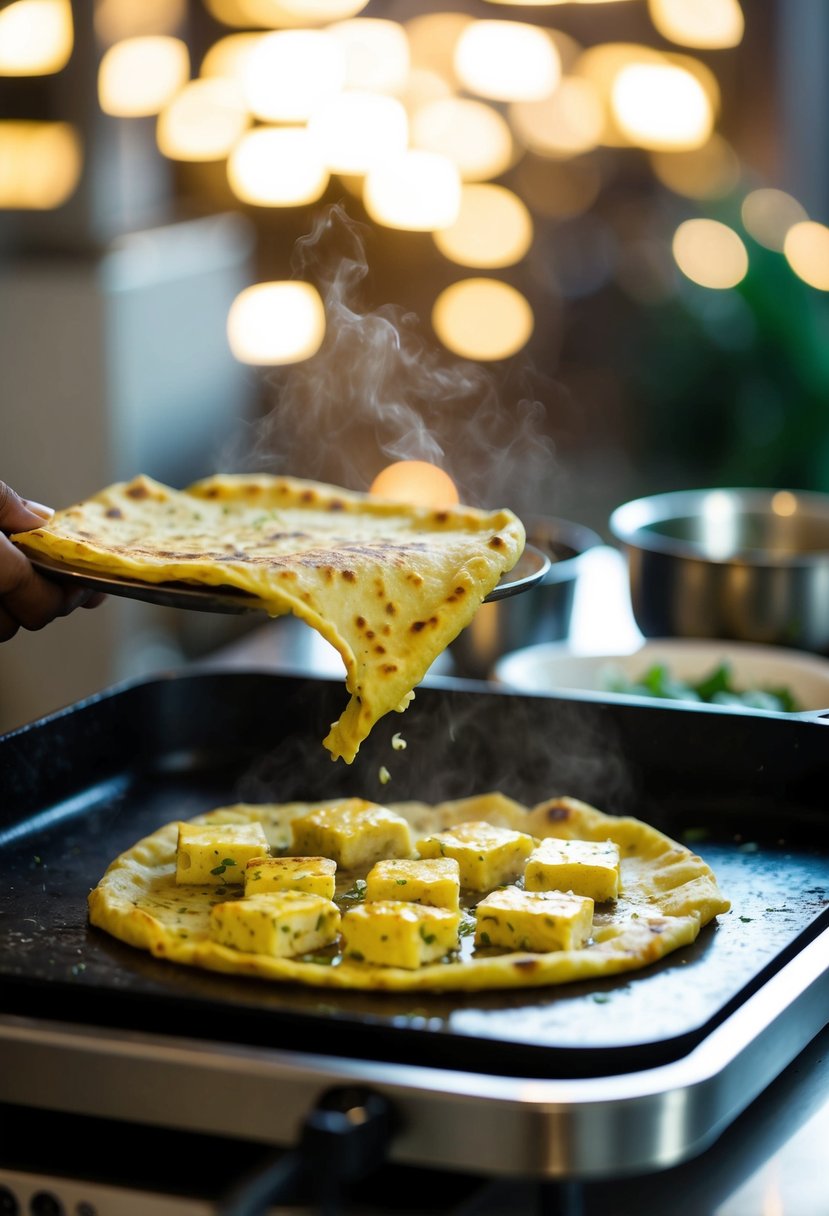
745, 790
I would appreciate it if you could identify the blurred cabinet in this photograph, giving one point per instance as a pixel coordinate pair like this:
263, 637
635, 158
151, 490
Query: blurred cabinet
110, 365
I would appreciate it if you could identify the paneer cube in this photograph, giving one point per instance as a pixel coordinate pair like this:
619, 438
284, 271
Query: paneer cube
585, 867
281, 924
435, 882
533, 920
394, 933
355, 833
486, 854
217, 853
313, 874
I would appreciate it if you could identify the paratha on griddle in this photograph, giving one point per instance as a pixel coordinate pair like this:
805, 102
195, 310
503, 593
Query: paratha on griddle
389, 586
666, 895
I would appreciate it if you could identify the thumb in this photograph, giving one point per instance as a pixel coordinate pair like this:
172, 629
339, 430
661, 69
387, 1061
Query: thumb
17, 514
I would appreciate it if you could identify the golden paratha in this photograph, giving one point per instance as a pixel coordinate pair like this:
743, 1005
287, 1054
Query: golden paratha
665, 895
389, 586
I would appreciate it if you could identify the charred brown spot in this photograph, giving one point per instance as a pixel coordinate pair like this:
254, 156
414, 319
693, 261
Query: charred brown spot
360, 622
212, 492
496, 542
328, 573
418, 625
138, 492
440, 517
390, 608
336, 504
386, 630
557, 814
349, 576
378, 649
370, 634
115, 513
460, 591
307, 496
526, 964
389, 668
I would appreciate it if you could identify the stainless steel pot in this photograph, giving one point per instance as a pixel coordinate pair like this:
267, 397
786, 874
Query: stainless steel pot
747, 564
541, 614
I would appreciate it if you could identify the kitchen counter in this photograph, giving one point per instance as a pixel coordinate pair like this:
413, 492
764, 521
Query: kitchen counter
770, 1161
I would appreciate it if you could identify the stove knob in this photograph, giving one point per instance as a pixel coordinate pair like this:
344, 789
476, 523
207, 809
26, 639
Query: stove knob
8, 1202
44, 1203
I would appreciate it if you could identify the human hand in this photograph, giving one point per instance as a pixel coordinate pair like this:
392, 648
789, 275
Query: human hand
27, 600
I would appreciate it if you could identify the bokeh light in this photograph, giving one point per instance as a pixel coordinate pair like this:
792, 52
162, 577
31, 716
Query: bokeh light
290, 73
483, 319
358, 130
433, 41
662, 107
806, 249
416, 191
712, 25
711, 171
271, 324
203, 122
768, 215
570, 121
40, 164
507, 61
493, 229
376, 54
277, 167
140, 76
117, 19
228, 57
415, 482
472, 134
36, 37
710, 254
282, 14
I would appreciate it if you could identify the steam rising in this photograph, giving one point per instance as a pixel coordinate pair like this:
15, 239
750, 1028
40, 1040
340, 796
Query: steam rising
460, 743
380, 389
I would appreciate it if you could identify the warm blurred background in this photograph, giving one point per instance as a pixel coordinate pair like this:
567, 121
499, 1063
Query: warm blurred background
568, 252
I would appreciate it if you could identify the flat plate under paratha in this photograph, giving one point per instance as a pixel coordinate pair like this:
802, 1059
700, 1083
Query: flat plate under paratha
389, 586
667, 895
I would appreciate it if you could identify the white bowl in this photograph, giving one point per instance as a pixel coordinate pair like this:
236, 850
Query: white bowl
551, 668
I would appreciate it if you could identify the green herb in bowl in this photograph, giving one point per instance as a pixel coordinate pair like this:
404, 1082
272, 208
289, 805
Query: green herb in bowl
716, 688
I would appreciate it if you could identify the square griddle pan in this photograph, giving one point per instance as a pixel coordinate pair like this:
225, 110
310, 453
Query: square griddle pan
658, 1060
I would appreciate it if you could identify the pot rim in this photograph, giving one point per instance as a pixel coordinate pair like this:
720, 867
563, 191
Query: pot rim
632, 523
